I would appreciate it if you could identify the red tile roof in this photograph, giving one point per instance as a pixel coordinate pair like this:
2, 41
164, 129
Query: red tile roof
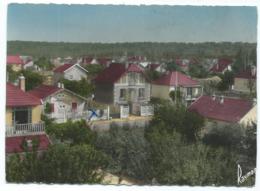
115, 71
14, 59
134, 68
231, 110
13, 144
16, 97
62, 68
44, 91
104, 61
247, 74
221, 65
170, 78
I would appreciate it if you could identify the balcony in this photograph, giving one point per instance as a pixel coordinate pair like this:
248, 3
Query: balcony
25, 129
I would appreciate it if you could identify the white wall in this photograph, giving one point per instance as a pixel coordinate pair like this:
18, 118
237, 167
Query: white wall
75, 73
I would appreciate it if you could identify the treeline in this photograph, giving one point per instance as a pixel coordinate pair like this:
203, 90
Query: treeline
153, 50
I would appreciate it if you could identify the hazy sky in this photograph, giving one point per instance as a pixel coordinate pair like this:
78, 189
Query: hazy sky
111, 23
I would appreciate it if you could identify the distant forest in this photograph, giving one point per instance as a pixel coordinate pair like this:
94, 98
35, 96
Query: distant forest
152, 50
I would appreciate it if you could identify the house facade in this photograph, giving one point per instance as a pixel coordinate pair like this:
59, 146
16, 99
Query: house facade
59, 103
73, 72
245, 81
190, 89
121, 84
23, 111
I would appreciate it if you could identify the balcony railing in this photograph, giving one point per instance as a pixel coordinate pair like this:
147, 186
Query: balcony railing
25, 129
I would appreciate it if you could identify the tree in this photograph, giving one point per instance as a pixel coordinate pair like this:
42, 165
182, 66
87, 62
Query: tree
76, 164
228, 136
170, 118
127, 149
94, 69
197, 71
172, 66
176, 95
82, 87
227, 79
173, 162
75, 132
44, 63
59, 164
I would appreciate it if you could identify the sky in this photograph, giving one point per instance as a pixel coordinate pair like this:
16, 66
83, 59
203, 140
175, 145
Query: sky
122, 23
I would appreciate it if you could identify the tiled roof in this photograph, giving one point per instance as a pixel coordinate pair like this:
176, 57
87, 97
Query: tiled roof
16, 97
104, 61
221, 65
44, 91
62, 68
14, 59
134, 68
247, 74
170, 78
231, 110
115, 71
13, 144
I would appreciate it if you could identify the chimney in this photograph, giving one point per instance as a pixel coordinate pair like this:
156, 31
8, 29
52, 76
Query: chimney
22, 82
59, 85
222, 99
62, 85
213, 97
126, 65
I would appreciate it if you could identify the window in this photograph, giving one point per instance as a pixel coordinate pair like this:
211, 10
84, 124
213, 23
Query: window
141, 92
74, 106
122, 93
132, 78
22, 115
189, 91
123, 80
141, 79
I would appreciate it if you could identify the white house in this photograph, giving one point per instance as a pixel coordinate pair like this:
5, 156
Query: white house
59, 103
70, 72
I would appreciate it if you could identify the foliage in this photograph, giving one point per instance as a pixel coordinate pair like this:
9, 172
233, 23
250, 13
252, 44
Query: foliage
44, 63
82, 87
227, 79
74, 132
59, 164
47, 108
128, 150
172, 66
176, 95
197, 71
174, 162
94, 69
228, 136
152, 75
151, 50
187, 123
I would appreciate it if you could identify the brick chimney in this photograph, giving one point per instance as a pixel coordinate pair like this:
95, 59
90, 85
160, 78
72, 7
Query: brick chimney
222, 99
22, 82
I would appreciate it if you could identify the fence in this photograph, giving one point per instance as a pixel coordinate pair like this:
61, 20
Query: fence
25, 129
